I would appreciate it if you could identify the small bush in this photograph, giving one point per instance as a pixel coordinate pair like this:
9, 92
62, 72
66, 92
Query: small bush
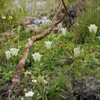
91, 16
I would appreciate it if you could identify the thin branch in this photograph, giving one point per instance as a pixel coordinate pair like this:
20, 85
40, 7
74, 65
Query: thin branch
33, 39
64, 7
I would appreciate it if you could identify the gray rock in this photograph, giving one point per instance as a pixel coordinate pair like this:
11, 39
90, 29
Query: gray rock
42, 20
30, 5
89, 87
32, 27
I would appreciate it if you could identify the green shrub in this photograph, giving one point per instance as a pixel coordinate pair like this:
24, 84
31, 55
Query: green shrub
91, 16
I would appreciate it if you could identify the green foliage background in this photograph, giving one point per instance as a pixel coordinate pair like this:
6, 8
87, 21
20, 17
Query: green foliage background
58, 66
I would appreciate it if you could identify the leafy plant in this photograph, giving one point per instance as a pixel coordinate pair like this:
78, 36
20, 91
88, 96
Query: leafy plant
91, 16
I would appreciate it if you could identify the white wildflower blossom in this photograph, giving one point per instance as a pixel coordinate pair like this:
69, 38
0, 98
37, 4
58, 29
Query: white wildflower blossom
22, 98
63, 31
37, 57
92, 28
34, 81
8, 54
48, 44
3, 17
77, 52
29, 94
14, 51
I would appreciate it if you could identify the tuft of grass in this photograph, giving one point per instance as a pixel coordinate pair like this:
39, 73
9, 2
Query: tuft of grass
91, 16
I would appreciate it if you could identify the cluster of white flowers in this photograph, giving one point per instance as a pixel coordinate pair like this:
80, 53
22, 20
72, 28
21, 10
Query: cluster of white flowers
11, 52
29, 94
92, 28
35, 81
36, 56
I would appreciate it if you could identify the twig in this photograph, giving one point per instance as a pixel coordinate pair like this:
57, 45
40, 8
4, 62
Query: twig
21, 64
66, 10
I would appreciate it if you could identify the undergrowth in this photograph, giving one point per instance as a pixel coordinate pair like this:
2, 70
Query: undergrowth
59, 68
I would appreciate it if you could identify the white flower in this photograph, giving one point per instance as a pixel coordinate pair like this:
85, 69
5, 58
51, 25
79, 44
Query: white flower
64, 31
27, 73
92, 28
30, 42
45, 82
22, 98
8, 54
48, 44
34, 81
14, 51
29, 94
77, 52
38, 94
3, 17
37, 57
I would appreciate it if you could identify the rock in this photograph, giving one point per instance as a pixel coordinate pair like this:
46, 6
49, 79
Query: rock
42, 20
33, 24
30, 5
32, 27
26, 22
40, 4
89, 87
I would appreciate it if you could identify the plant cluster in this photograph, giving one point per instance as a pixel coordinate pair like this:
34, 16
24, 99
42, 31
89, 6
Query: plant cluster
56, 63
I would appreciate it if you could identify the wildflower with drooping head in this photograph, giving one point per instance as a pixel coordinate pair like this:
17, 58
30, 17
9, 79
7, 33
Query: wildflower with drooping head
48, 44
37, 57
